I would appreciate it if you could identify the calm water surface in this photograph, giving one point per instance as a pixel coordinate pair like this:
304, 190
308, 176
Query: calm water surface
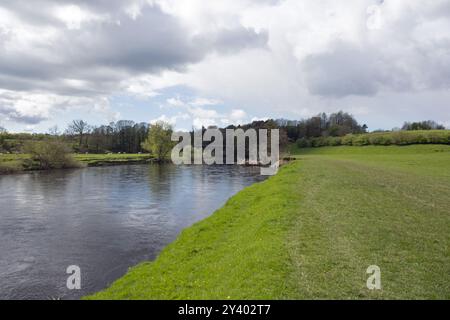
104, 220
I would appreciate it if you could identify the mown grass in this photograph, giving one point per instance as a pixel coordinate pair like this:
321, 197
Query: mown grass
370, 150
385, 206
311, 231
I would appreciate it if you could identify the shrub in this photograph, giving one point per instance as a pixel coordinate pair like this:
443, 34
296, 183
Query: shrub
360, 140
386, 140
49, 155
383, 139
439, 137
319, 142
347, 140
303, 143
400, 138
421, 138
334, 141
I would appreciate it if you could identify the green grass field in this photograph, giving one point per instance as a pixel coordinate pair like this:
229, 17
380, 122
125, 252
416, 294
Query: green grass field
10, 163
311, 231
96, 159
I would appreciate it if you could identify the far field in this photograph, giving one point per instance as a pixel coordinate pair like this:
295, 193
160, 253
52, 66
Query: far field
312, 230
14, 160
98, 159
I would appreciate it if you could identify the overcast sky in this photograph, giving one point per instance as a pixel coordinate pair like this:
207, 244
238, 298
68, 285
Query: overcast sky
196, 62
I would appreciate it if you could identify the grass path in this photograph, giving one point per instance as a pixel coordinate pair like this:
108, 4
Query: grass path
312, 230
360, 215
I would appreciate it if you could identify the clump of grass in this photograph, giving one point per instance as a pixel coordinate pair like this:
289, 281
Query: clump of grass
10, 167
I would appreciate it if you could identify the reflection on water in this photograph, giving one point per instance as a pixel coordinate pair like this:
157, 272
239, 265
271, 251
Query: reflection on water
101, 219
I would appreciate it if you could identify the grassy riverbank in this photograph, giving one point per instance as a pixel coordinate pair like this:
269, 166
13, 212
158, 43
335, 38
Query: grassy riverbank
105, 159
312, 230
10, 163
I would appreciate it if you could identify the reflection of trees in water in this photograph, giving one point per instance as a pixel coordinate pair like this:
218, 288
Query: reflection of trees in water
37, 191
177, 184
160, 177
51, 182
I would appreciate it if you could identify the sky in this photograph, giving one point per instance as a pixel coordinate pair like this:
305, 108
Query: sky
221, 62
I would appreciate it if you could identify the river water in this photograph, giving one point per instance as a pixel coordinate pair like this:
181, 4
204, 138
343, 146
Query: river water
103, 219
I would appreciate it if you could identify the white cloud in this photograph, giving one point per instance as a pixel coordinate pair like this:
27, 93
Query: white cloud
205, 102
32, 108
200, 113
30, 128
164, 118
259, 119
238, 115
73, 16
209, 117
176, 102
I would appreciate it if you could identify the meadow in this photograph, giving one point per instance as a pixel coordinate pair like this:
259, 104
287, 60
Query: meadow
12, 163
112, 158
311, 232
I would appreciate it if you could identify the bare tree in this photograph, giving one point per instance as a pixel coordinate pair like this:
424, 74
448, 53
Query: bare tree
53, 131
79, 128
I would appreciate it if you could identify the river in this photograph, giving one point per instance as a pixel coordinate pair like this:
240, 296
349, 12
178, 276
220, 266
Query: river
102, 219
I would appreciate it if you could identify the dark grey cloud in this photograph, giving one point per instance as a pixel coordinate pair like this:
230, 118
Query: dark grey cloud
231, 40
348, 69
353, 70
26, 119
344, 71
11, 113
101, 53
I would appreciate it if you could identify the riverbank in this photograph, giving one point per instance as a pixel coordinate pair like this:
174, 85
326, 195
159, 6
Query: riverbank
13, 163
312, 230
96, 160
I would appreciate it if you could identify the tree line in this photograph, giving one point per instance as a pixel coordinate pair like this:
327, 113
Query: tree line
123, 136
423, 125
126, 136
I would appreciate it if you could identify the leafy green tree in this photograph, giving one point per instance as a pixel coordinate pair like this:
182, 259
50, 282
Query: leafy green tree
159, 141
423, 125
